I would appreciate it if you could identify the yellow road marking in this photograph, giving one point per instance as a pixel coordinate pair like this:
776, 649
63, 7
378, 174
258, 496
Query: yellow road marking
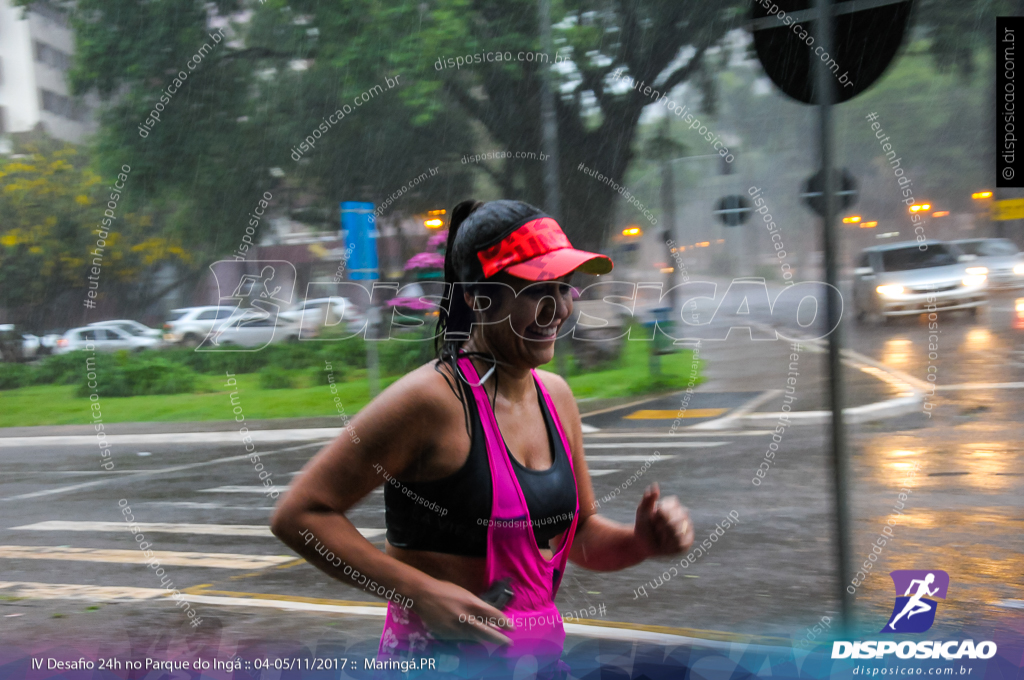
654, 414
203, 594
165, 557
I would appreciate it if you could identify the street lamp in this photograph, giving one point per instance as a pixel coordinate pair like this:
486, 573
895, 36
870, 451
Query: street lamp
979, 195
918, 207
852, 219
632, 231
868, 225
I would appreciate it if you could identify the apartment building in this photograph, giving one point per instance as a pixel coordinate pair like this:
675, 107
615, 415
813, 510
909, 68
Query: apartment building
35, 56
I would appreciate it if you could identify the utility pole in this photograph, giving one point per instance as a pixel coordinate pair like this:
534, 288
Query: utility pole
826, 96
549, 133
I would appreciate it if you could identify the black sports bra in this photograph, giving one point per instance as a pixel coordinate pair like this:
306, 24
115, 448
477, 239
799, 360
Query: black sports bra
467, 494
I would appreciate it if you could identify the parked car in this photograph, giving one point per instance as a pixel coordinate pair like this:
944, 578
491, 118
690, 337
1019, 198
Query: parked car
189, 326
252, 328
103, 339
898, 279
131, 327
1001, 256
16, 345
316, 313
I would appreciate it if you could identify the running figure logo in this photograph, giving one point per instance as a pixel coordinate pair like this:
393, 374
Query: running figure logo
914, 612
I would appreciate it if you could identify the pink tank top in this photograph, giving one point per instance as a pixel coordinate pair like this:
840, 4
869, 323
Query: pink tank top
512, 553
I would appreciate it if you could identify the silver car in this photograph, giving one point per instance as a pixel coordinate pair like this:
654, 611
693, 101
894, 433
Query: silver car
1001, 256
902, 279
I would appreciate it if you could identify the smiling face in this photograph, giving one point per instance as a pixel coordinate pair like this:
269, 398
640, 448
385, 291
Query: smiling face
521, 324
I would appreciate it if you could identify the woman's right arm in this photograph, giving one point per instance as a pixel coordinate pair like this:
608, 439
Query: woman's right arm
389, 434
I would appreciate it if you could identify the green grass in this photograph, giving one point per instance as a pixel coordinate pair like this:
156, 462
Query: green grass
630, 375
58, 405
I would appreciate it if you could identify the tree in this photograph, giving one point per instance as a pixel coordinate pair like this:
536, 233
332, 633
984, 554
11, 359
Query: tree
56, 238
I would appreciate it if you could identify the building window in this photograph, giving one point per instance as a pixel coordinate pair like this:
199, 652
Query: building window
65, 107
50, 13
52, 57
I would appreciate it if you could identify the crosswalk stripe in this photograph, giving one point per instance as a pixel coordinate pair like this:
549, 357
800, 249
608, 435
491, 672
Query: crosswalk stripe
656, 414
601, 473
136, 556
168, 528
70, 591
243, 489
627, 458
682, 434
654, 445
585, 628
140, 475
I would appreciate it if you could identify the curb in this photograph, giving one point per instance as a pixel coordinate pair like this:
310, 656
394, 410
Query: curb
909, 400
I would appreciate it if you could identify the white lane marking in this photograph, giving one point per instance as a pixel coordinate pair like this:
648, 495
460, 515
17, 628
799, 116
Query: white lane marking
80, 472
601, 473
981, 386
589, 429
729, 420
628, 434
174, 468
230, 488
69, 591
612, 458
654, 445
1011, 604
167, 528
225, 437
136, 556
143, 453
209, 506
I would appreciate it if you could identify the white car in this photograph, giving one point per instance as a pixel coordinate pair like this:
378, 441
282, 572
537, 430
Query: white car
131, 327
189, 326
314, 314
1002, 258
251, 328
103, 339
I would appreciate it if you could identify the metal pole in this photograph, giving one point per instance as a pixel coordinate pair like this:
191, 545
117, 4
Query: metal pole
549, 134
825, 92
549, 122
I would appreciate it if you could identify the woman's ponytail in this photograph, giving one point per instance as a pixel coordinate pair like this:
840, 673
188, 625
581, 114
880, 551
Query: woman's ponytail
455, 318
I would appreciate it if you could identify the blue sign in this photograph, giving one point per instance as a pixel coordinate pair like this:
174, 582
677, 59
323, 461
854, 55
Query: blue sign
359, 231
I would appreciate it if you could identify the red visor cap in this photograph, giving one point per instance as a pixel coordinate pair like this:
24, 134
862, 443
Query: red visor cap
540, 251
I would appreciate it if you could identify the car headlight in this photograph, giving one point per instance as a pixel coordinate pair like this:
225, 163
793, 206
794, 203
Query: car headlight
976, 271
1019, 270
974, 280
889, 290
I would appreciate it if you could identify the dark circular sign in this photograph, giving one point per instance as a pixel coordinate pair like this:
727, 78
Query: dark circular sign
843, 184
734, 210
867, 35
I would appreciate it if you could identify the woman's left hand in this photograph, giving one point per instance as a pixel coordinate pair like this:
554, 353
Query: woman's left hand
663, 527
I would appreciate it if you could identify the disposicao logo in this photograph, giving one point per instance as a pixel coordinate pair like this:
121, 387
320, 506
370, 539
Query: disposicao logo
914, 612
908, 606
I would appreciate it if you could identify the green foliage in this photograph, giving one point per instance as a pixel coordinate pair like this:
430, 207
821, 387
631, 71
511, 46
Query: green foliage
320, 376
398, 357
218, 363
14, 375
126, 375
276, 378
53, 232
60, 369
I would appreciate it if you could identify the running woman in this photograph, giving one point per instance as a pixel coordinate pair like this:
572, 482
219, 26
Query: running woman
487, 479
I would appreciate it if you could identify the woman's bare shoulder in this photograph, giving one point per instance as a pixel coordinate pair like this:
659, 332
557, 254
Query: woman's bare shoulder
560, 392
424, 389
